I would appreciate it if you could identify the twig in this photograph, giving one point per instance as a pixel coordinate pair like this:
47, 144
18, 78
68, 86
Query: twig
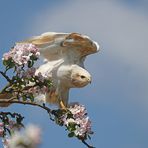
6, 77
3, 90
85, 143
11, 100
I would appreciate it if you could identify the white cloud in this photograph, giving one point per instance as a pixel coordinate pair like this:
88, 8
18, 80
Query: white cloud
121, 32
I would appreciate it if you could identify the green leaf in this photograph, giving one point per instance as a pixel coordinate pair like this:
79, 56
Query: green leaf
4, 63
30, 64
33, 58
72, 134
24, 98
31, 97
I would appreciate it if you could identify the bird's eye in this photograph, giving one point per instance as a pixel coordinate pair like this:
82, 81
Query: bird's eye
82, 77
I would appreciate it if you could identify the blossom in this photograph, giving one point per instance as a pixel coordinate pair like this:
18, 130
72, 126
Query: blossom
1, 124
33, 132
77, 121
39, 99
29, 73
68, 121
21, 53
29, 138
1, 129
36, 90
84, 127
5, 142
7, 56
39, 93
78, 111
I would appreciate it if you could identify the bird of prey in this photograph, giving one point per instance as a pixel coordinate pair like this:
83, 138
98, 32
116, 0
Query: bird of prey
63, 55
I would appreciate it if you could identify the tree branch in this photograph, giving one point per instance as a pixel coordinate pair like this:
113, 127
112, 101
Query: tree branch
11, 100
85, 143
6, 77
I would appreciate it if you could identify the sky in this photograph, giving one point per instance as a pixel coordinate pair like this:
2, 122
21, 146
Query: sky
117, 99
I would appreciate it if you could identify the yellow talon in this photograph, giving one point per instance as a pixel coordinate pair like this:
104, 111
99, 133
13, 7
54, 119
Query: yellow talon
62, 106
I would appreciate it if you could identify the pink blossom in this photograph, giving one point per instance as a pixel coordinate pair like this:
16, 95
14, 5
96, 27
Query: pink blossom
32, 90
1, 124
11, 124
7, 56
37, 90
1, 129
5, 142
78, 111
68, 121
29, 73
80, 120
34, 133
30, 137
84, 127
21, 53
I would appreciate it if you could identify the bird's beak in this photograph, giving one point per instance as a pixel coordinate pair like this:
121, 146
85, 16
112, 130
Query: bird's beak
89, 80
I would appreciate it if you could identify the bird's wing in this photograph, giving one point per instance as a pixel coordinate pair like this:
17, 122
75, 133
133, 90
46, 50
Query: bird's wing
54, 46
81, 43
44, 39
49, 44
48, 68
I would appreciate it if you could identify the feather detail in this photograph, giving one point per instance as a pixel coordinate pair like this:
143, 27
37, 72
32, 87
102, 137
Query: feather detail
65, 54
44, 38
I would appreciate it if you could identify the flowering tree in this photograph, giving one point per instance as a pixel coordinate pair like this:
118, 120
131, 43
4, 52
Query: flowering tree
24, 87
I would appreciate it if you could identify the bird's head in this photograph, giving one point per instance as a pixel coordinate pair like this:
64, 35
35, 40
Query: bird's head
79, 76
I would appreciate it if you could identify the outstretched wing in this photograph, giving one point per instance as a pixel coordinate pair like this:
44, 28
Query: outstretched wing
72, 46
49, 44
60, 49
80, 43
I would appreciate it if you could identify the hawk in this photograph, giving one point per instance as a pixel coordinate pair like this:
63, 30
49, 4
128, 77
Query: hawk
63, 55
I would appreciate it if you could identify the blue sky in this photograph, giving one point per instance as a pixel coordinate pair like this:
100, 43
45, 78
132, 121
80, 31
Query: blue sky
117, 99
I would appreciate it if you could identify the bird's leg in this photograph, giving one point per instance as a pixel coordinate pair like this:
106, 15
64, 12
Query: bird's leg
59, 96
60, 93
61, 104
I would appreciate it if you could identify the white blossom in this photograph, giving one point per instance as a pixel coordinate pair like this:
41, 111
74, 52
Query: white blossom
29, 138
80, 120
21, 53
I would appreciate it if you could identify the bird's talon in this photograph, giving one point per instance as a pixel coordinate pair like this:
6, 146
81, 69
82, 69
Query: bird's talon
62, 106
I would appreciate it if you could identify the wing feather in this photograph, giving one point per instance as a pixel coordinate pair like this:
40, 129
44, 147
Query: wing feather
45, 38
54, 46
81, 43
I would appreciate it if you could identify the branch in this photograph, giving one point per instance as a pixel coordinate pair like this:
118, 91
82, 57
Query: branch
6, 77
11, 100
4, 89
49, 111
85, 143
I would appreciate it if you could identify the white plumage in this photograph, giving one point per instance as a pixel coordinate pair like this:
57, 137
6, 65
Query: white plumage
64, 55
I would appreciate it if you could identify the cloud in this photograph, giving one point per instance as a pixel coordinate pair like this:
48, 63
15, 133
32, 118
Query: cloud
122, 34
120, 30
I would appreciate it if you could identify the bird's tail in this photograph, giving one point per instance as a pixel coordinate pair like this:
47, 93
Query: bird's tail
5, 97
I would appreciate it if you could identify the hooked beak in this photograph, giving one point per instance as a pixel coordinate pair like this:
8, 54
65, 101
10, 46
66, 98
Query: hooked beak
89, 80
